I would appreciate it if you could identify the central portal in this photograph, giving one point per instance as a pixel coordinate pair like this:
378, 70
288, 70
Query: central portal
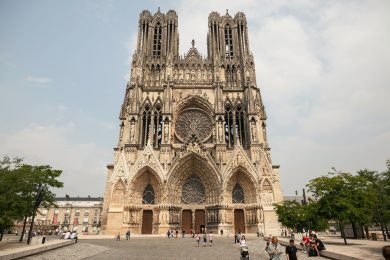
200, 220
186, 220
147, 222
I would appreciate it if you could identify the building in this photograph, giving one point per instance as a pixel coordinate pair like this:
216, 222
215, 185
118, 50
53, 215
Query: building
192, 152
71, 213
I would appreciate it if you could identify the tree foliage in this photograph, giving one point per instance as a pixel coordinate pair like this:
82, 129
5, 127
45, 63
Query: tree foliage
24, 188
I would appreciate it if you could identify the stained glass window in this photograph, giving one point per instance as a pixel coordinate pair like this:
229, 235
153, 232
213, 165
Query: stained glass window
148, 196
238, 194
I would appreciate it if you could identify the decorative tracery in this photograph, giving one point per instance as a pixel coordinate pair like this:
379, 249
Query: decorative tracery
235, 125
148, 195
193, 191
238, 194
193, 122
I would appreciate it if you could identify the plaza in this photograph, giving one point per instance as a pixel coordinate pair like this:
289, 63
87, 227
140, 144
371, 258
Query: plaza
157, 248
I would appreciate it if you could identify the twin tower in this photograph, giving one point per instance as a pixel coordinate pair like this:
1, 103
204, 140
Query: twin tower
192, 153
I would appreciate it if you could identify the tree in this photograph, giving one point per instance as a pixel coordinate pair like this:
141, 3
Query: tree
11, 205
342, 197
23, 189
290, 214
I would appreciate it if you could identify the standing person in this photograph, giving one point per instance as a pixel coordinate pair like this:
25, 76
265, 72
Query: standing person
243, 241
127, 235
168, 233
211, 238
235, 238
269, 241
204, 239
118, 237
239, 237
197, 238
275, 250
291, 251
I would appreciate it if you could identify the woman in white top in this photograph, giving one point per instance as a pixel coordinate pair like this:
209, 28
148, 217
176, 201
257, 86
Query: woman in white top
243, 241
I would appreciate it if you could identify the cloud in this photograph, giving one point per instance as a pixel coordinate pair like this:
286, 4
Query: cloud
322, 68
39, 80
83, 164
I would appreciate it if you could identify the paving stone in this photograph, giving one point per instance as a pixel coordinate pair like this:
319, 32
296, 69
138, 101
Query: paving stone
158, 248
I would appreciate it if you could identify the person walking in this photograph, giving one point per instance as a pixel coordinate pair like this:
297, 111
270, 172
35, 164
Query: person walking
211, 238
275, 250
197, 238
291, 251
204, 239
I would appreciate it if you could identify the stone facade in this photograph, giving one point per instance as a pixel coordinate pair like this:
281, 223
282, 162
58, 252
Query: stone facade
192, 153
73, 213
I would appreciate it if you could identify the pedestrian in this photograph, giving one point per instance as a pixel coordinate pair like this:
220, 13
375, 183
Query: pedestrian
118, 237
235, 238
291, 251
197, 238
183, 232
204, 239
221, 232
127, 235
312, 249
275, 250
177, 233
211, 238
243, 241
320, 244
239, 237
269, 241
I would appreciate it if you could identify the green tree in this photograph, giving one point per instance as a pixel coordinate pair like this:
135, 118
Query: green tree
23, 189
11, 205
342, 197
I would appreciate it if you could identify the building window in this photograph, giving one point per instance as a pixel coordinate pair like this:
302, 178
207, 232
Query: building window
157, 131
229, 129
235, 125
157, 40
238, 194
193, 190
148, 196
228, 41
146, 118
77, 213
86, 213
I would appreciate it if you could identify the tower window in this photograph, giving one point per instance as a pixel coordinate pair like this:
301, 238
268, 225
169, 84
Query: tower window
157, 131
228, 41
157, 40
145, 125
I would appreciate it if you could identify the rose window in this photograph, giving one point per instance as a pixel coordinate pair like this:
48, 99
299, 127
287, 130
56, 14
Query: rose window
193, 190
193, 122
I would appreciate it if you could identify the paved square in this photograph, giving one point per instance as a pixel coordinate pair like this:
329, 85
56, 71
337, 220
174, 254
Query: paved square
157, 248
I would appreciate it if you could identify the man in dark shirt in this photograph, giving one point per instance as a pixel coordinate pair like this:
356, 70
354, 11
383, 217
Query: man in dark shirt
291, 251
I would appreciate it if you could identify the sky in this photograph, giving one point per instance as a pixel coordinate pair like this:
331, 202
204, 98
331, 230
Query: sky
323, 69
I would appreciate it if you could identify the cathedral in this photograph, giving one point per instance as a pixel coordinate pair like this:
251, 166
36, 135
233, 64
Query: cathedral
192, 153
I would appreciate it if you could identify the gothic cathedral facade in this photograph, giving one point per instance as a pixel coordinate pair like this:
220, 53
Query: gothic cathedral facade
192, 153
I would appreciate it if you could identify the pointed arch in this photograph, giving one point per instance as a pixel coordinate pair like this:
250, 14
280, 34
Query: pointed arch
118, 194
238, 195
144, 186
148, 195
266, 186
145, 121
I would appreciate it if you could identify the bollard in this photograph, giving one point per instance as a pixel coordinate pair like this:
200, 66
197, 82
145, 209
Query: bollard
43, 240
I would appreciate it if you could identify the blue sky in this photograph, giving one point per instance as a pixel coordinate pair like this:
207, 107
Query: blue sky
322, 68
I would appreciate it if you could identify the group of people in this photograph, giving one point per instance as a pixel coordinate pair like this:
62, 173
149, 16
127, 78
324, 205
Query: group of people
206, 237
312, 245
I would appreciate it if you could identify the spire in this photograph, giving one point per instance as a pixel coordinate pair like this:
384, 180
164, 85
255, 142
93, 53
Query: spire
193, 43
